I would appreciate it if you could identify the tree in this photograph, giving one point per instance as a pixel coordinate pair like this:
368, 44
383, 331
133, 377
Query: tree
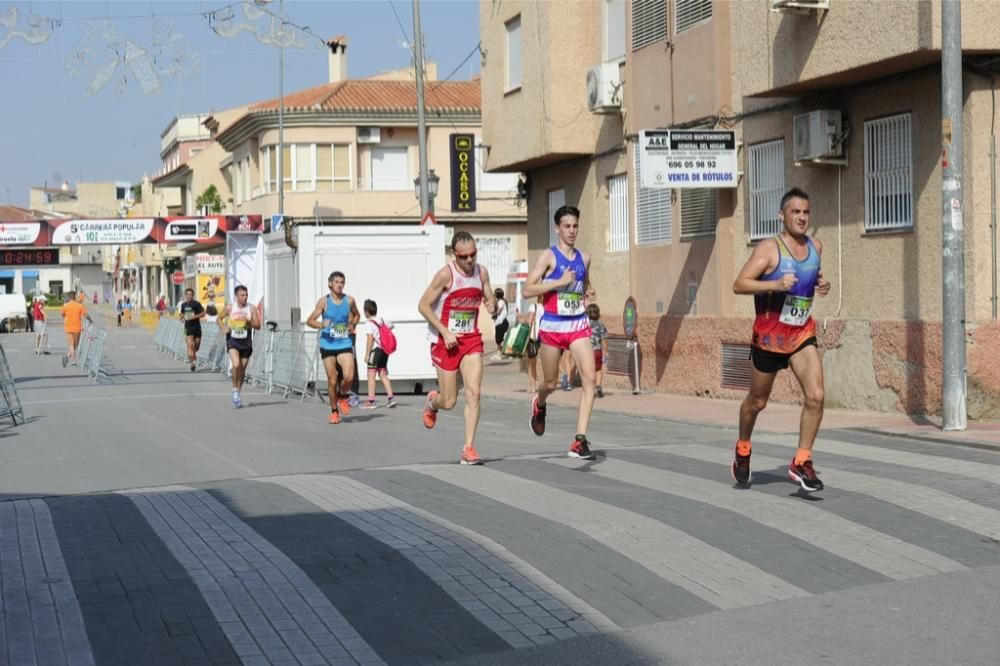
209, 199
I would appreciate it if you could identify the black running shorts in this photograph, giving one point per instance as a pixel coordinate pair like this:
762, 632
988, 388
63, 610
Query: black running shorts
771, 362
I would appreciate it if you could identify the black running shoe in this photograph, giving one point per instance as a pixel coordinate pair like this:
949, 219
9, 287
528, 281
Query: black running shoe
805, 476
537, 417
741, 470
580, 448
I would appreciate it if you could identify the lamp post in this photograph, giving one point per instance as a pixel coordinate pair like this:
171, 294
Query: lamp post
432, 189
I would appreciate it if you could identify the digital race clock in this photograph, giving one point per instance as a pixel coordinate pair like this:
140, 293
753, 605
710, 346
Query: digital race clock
39, 257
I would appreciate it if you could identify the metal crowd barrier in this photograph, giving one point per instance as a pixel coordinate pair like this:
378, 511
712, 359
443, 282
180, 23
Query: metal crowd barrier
623, 360
285, 362
11, 406
90, 354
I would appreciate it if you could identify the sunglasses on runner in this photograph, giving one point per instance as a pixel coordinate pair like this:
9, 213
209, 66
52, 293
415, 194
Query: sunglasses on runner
471, 255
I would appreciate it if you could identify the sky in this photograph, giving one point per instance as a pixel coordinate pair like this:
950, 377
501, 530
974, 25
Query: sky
52, 129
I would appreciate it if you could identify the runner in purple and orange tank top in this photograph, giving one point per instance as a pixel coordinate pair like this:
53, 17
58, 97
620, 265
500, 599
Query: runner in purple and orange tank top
784, 276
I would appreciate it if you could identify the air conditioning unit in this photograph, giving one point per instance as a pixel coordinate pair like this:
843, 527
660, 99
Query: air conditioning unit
604, 88
369, 135
799, 6
818, 135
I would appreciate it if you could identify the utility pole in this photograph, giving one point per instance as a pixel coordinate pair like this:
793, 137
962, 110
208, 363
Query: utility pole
281, 110
418, 70
953, 227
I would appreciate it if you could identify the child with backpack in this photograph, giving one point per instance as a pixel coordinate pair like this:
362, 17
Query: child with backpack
381, 344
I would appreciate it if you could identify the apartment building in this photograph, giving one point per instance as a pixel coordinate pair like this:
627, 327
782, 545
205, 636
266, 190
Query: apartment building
351, 157
568, 87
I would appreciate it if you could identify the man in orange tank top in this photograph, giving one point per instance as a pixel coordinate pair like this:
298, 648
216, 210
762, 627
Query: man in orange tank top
450, 305
783, 274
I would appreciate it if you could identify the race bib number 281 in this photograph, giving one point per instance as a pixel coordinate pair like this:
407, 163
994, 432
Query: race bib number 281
462, 321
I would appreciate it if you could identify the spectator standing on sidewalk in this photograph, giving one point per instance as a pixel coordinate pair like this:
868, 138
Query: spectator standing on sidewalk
500, 322
599, 342
376, 358
38, 312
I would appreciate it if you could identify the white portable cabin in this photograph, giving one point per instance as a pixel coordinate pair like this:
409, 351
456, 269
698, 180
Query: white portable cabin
391, 265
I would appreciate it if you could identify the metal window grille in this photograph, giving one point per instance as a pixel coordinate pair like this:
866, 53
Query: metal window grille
653, 221
649, 22
699, 213
618, 202
735, 366
889, 173
767, 183
688, 13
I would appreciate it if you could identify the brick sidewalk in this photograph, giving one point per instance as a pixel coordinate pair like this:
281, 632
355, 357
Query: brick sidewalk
503, 379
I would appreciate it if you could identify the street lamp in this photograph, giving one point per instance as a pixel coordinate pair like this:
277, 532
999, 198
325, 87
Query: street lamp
432, 188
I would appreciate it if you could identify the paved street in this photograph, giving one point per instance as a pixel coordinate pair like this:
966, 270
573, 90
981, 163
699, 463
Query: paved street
145, 521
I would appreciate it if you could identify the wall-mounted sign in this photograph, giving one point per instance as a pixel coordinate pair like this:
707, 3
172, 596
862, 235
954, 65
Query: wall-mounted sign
210, 264
40, 257
191, 229
102, 232
19, 233
688, 158
630, 317
463, 173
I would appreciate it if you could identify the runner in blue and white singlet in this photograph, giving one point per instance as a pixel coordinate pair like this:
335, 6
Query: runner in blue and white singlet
561, 276
335, 316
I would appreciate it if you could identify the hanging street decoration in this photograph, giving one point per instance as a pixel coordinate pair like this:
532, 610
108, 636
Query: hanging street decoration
38, 31
106, 56
268, 28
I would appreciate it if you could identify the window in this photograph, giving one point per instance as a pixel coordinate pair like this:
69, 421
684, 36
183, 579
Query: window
495, 254
614, 30
390, 169
302, 167
649, 22
120, 193
618, 204
766, 178
513, 77
699, 214
653, 212
689, 13
888, 173
286, 167
272, 169
557, 199
333, 168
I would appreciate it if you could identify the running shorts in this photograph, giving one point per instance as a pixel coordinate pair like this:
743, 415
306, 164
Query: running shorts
771, 362
562, 340
448, 360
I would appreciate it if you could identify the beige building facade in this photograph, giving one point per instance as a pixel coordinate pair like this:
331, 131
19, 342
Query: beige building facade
704, 64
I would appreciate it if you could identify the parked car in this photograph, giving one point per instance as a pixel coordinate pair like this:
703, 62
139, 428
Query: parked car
13, 312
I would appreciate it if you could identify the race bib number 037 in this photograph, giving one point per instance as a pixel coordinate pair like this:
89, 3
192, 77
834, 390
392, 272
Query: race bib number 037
796, 310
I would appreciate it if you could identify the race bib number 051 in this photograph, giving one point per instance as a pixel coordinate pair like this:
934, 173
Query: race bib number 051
462, 321
570, 304
796, 310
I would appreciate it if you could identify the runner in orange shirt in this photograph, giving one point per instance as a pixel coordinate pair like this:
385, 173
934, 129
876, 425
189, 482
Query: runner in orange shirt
73, 315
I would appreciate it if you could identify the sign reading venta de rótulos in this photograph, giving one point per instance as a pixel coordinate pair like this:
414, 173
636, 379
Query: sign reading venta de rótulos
688, 158
463, 173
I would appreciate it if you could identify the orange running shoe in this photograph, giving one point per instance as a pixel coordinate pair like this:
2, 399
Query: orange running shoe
470, 456
430, 415
344, 406
334, 418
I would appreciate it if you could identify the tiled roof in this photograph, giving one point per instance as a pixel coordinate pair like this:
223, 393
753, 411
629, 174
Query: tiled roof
360, 96
17, 214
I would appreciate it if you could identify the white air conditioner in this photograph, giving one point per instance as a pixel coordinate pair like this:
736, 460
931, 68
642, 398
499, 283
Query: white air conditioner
818, 135
799, 6
604, 88
369, 135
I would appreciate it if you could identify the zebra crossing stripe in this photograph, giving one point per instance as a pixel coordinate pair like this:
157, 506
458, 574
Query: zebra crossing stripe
40, 618
938, 464
519, 603
846, 539
264, 603
930, 502
707, 572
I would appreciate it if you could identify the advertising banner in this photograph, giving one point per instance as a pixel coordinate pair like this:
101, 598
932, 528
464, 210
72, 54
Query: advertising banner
688, 158
103, 232
463, 173
19, 233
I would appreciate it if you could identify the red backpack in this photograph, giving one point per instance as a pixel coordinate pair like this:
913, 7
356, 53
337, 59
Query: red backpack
387, 339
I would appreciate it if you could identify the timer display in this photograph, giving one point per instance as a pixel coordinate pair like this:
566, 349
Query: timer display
39, 257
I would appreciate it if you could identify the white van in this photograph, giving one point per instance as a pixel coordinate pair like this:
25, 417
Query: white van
12, 305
